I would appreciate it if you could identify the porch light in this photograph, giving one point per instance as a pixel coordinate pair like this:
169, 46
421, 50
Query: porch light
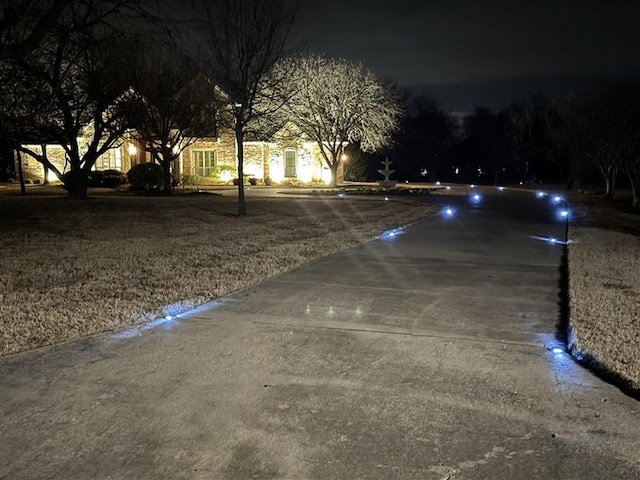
132, 149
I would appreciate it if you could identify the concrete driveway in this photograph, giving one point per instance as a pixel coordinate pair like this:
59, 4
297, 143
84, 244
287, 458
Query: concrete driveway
425, 355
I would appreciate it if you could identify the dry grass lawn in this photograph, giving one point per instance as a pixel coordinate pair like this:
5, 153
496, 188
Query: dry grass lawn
74, 268
604, 290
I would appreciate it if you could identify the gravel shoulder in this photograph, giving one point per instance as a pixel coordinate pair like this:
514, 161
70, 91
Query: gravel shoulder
604, 290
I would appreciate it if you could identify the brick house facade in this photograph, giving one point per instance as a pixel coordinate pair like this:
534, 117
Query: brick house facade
285, 158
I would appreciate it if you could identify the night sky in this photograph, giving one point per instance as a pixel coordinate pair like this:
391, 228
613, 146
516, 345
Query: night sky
492, 47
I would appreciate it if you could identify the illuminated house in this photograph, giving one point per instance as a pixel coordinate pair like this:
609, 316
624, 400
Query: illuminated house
285, 157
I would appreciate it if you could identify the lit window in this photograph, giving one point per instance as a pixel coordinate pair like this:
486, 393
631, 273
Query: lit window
290, 163
205, 161
109, 160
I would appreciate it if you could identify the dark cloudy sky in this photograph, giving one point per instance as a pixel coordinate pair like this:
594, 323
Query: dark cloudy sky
449, 41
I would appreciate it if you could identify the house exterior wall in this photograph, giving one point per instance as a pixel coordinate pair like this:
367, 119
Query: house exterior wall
34, 170
262, 160
224, 146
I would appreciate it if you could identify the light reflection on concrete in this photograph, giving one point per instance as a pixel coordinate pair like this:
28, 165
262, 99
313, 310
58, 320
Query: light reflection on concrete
569, 376
170, 320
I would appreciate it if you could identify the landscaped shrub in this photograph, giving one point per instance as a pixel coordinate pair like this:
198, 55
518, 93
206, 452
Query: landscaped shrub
223, 173
147, 177
94, 178
247, 180
268, 181
188, 179
113, 178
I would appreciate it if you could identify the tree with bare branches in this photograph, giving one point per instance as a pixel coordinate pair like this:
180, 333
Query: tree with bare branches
335, 102
172, 104
24, 24
76, 68
238, 43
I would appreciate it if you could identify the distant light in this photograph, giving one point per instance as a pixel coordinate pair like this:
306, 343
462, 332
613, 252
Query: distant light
553, 240
386, 199
520, 183
437, 183
472, 186
557, 350
476, 198
340, 194
541, 194
168, 317
448, 187
501, 188
392, 234
557, 199
564, 213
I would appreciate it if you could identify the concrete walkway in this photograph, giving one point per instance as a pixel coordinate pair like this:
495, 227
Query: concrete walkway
424, 355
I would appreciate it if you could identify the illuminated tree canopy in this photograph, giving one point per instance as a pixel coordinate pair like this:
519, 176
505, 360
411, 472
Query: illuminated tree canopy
335, 102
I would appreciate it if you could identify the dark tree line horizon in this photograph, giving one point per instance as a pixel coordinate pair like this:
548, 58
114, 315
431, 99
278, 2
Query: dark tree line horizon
587, 141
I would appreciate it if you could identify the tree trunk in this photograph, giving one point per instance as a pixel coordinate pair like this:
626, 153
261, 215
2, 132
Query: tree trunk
166, 168
242, 205
45, 180
23, 189
334, 174
610, 184
77, 184
634, 181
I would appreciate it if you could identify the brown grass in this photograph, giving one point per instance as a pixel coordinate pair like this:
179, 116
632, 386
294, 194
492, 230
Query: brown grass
74, 268
604, 291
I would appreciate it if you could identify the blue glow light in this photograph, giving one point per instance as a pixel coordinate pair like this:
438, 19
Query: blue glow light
552, 240
557, 199
391, 234
557, 350
448, 212
564, 213
168, 317
475, 198
541, 194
